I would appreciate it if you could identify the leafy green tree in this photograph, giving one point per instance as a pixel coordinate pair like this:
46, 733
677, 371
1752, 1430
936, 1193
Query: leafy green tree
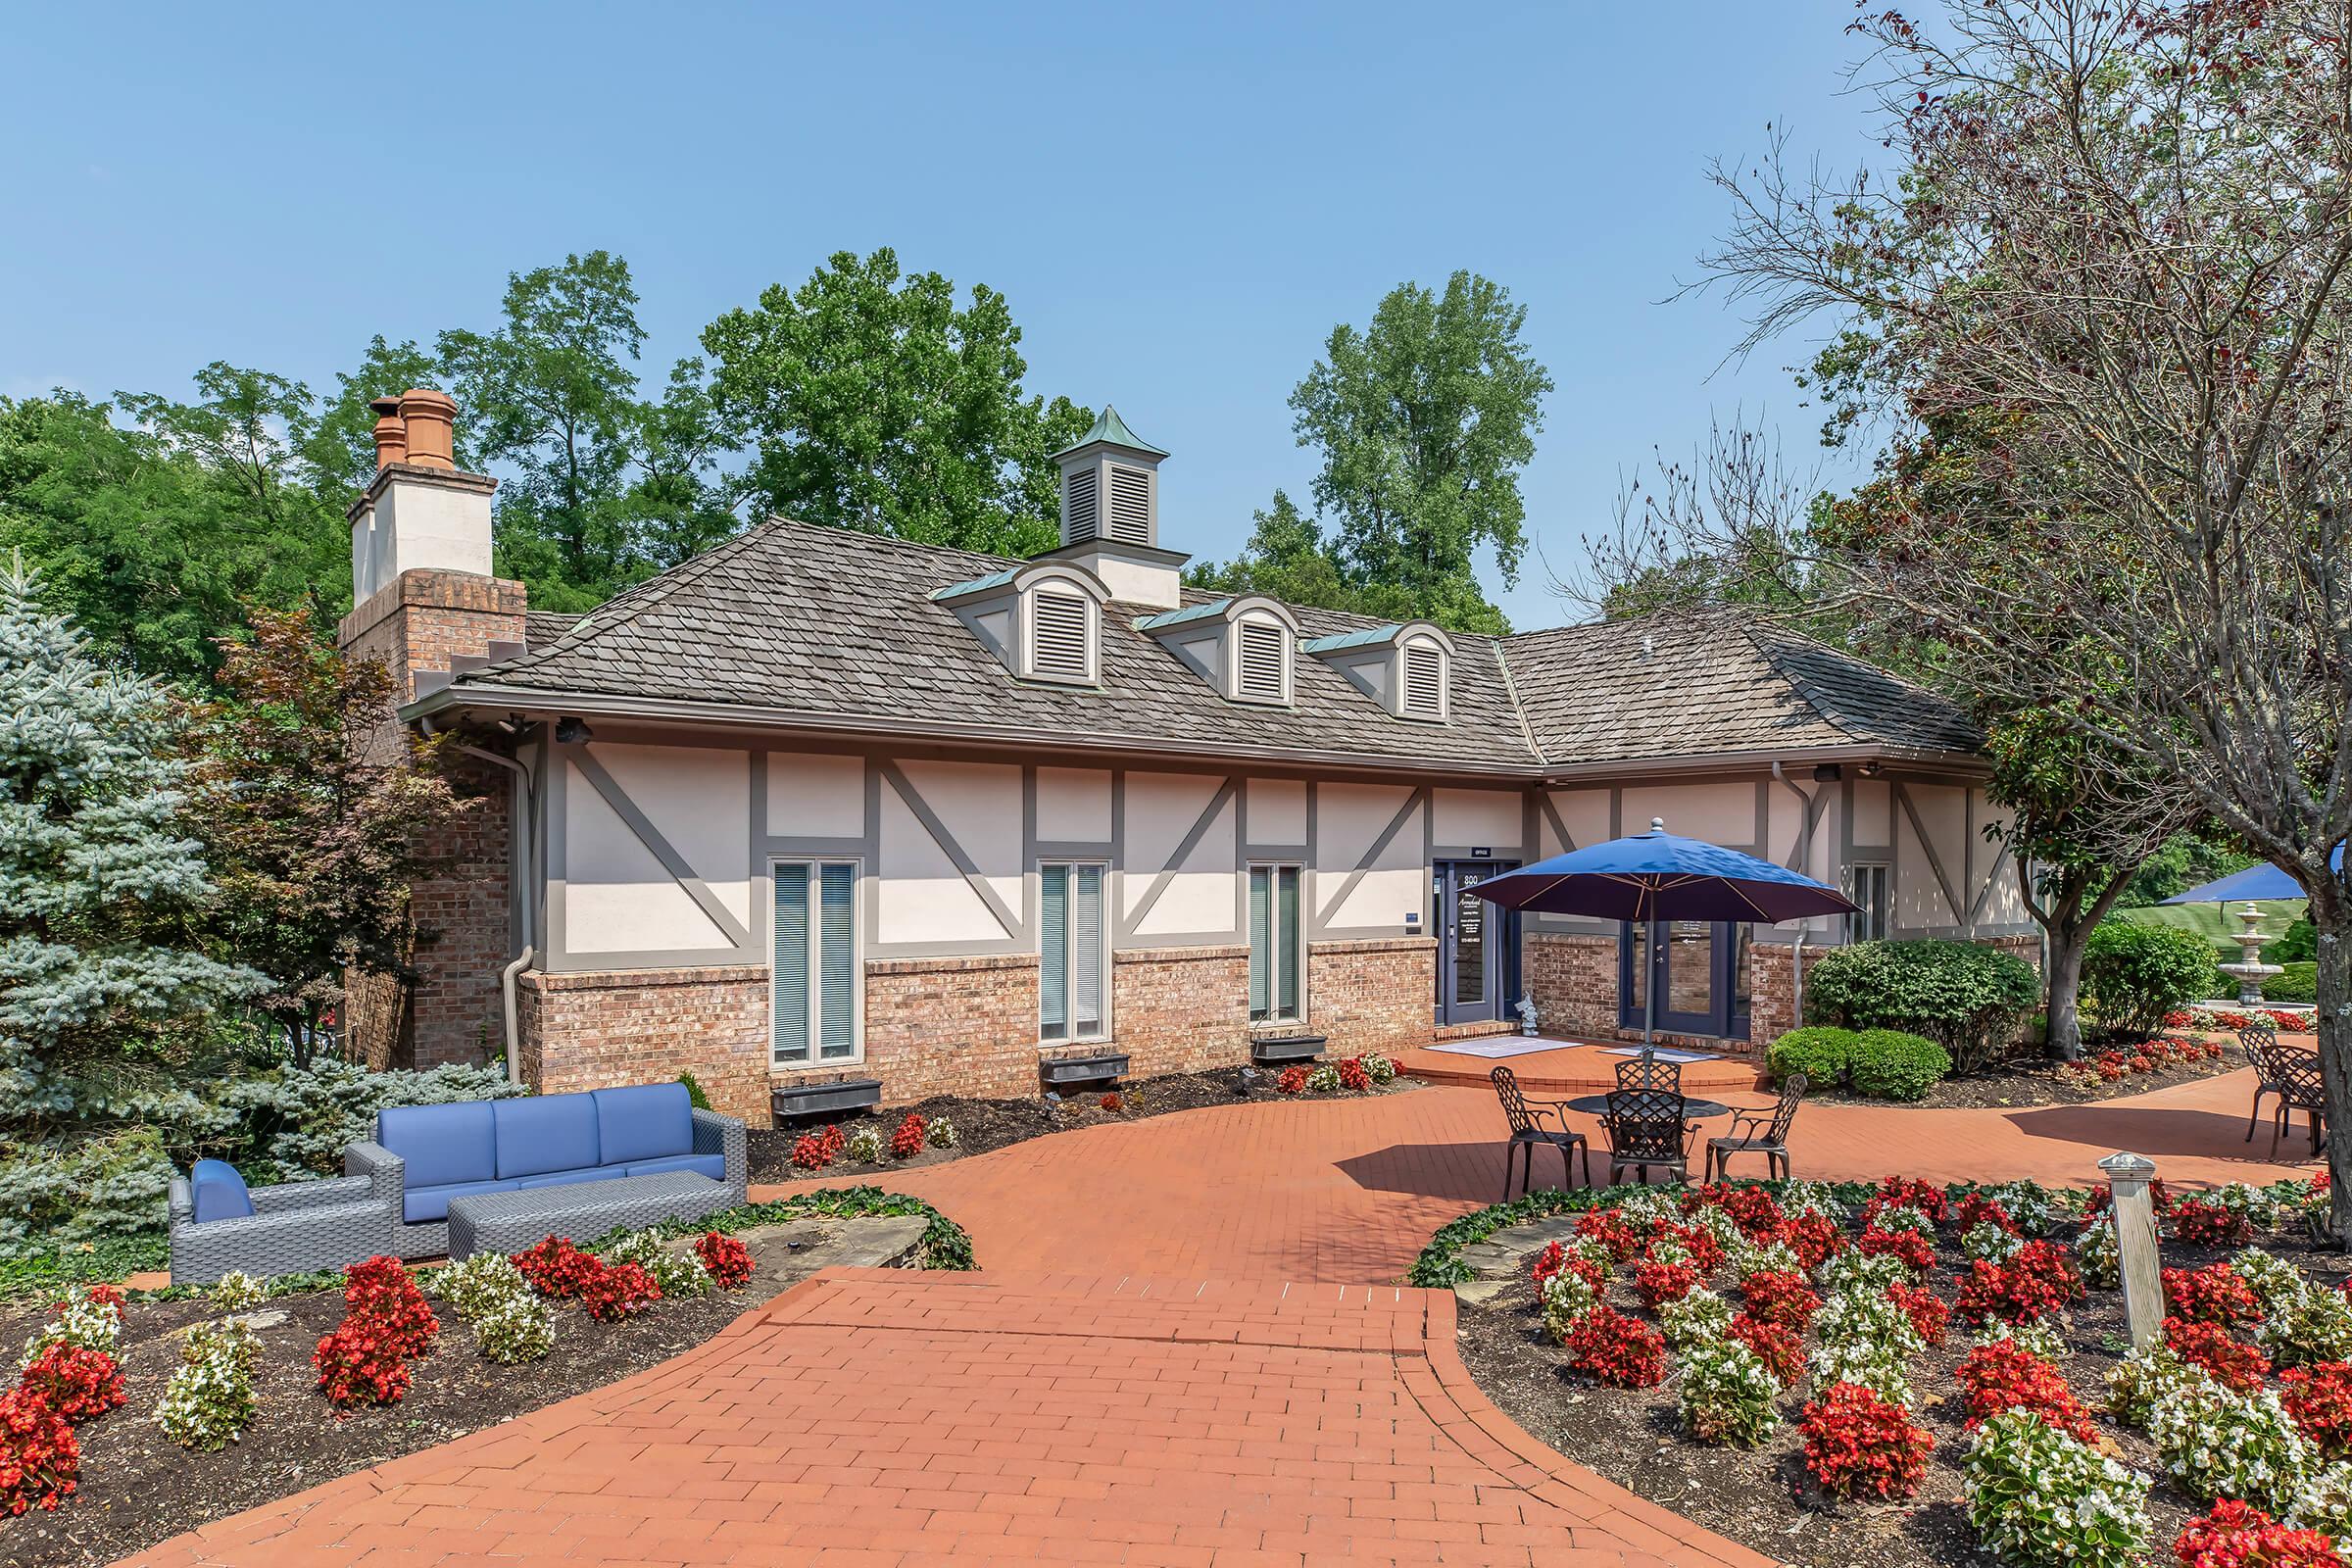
97, 872
1288, 559
1424, 420
875, 401
553, 392
314, 828
152, 537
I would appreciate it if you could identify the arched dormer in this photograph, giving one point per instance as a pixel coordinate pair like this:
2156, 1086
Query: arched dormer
1244, 647
1043, 620
1406, 667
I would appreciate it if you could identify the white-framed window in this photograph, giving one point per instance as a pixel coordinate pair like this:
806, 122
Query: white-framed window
1277, 950
1870, 886
815, 1001
1073, 953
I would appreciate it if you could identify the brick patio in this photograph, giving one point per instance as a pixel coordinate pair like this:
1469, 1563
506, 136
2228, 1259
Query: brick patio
873, 1417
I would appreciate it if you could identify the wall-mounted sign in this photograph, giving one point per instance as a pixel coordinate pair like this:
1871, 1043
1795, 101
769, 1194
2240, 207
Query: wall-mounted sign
1481, 855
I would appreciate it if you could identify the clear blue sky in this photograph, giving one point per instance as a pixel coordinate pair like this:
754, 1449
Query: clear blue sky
1179, 204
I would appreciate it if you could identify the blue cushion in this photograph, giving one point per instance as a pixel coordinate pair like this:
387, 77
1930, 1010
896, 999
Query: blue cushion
544, 1133
219, 1191
564, 1178
441, 1144
710, 1165
644, 1122
419, 1204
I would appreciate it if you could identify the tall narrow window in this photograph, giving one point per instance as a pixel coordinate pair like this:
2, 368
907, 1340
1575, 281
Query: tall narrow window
1275, 956
1868, 885
1071, 956
813, 1001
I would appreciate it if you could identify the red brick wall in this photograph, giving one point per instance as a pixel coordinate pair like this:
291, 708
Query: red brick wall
1181, 1009
1574, 981
453, 1012
952, 1026
1378, 995
642, 1026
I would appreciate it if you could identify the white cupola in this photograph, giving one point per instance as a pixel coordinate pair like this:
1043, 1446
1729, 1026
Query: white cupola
1111, 514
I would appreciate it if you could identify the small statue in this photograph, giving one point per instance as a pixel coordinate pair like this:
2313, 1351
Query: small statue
1527, 1015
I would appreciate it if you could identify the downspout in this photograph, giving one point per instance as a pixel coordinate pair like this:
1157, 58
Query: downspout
522, 850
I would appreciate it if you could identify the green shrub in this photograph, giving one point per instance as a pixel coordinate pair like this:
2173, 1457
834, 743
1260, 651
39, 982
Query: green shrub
2132, 975
1822, 1055
2299, 980
1890, 1065
2298, 941
694, 1092
1967, 999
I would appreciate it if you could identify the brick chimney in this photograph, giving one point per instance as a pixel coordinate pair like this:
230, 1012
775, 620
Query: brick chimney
420, 585
424, 601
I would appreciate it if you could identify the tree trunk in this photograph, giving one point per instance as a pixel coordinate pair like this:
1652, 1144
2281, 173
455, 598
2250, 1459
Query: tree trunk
2063, 985
2331, 916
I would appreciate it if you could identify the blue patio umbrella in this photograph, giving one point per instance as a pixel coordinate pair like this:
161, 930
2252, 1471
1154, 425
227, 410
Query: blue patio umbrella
2259, 883
1658, 876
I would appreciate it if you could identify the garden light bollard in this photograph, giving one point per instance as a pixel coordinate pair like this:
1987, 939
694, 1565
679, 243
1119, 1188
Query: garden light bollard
2127, 1177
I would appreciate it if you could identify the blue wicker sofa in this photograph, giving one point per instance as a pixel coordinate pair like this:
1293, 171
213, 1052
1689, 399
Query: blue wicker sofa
430, 1154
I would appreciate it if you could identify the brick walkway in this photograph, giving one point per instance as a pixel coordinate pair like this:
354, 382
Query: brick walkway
881, 1419
1348, 1191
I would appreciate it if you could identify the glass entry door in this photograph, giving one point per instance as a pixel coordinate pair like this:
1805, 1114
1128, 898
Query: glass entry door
1474, 947
1700, 969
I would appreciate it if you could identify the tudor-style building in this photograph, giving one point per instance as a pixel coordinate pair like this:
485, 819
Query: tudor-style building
819, 804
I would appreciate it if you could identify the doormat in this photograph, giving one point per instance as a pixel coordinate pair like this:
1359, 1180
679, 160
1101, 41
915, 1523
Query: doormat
1496, 1045
1662, 1053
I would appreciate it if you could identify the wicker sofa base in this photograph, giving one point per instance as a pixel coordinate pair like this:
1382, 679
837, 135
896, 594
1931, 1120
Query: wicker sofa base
509, 1222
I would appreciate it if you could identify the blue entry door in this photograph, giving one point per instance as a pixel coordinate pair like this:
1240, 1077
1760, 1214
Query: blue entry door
1700, 969
1474, 949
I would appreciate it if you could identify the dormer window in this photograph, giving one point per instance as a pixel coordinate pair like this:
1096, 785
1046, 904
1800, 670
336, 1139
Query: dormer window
1042, 620
1061, 635
1406, 668
1242, 646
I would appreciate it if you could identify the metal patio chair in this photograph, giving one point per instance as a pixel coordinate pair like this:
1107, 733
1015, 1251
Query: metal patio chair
2300, 1087
1527, 1131
2258, 1043
1646, 1128
1650, 1071
1758, 1132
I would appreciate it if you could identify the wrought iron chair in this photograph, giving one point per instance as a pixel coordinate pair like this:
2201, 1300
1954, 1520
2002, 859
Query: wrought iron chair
2300, 1087
2259, 1044
1650, 1071
1646, 1128
1757, 1132
1527, 1131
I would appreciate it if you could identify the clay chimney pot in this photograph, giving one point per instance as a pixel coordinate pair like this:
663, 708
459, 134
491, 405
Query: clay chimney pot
391, 434
431, 418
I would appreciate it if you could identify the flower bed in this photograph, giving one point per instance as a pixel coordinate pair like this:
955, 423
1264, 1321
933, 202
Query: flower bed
1966, 1403
135, 1419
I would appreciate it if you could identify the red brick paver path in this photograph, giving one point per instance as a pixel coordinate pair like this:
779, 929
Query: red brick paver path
884, 1419
1349, 1190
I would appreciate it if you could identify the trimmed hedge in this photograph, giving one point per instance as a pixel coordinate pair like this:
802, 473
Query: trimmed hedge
1967, 999
1890, 1065
1882, 1063
2134, 974
2299, 980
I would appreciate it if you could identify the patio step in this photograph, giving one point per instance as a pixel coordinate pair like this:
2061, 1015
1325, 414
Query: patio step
1572, 1070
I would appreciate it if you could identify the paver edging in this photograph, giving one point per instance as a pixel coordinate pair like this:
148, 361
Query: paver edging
1463, 1404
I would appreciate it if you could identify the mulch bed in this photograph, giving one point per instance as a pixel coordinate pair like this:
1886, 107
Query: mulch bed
982, 1125
1763, 1497
2029, 1082
138, 1487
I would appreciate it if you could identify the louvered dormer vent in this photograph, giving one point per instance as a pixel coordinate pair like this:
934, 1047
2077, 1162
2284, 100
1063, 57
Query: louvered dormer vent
1078, 505
1061, 636
1266, 663
1424, 681
1130, 504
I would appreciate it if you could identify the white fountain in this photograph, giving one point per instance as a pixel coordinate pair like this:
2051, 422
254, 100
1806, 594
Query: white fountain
2249, 970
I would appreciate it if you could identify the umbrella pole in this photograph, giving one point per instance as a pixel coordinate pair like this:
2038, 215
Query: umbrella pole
1654, 954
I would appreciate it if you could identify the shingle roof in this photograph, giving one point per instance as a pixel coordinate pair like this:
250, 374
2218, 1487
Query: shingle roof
541, 626
1654, 688
816, 620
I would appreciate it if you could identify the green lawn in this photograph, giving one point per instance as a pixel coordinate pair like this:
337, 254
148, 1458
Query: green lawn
2216, 923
